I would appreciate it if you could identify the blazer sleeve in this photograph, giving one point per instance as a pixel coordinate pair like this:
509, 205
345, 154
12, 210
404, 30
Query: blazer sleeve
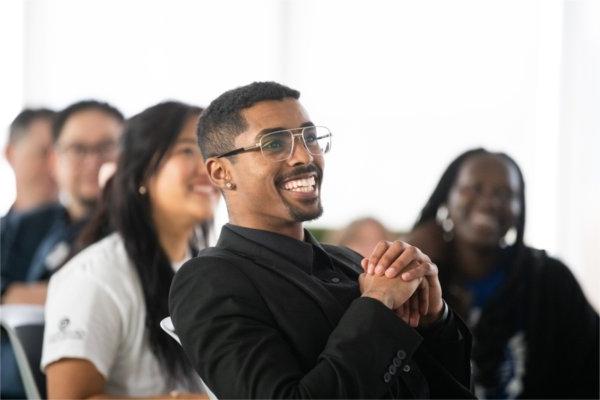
450, 346
234, 343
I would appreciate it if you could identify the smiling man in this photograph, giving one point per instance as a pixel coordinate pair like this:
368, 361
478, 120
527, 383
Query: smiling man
270, 312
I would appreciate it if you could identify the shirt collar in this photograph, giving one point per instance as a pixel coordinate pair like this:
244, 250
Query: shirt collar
299, 253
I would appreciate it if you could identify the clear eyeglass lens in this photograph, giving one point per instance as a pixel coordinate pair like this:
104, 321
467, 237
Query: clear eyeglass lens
317, 139
277, 146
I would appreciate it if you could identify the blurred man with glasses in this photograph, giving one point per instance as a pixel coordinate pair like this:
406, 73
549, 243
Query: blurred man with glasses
270, 312
85, 136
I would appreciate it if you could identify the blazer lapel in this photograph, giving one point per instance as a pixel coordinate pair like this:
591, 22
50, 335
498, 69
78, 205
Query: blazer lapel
264, 258
346, 258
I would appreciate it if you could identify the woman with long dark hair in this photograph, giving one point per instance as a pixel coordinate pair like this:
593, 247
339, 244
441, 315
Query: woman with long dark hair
105, 305
535, 334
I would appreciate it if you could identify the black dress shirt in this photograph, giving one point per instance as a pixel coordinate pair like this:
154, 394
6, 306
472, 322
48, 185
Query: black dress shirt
310, 257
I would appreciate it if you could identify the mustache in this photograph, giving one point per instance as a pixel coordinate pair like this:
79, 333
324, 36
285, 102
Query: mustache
301, 170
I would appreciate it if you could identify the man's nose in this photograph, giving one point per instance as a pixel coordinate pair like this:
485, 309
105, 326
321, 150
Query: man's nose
300, 154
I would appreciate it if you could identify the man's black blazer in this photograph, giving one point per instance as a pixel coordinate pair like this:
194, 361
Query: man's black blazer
254, 325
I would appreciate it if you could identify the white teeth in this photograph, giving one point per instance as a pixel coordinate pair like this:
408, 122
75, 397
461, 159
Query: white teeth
302, 189
484, 219
301, 185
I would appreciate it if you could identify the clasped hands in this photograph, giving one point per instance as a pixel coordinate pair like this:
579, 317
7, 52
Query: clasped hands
405, 280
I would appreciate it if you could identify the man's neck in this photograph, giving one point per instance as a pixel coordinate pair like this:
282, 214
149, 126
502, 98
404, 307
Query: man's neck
294, 230
24, 204
27, 200
77, 211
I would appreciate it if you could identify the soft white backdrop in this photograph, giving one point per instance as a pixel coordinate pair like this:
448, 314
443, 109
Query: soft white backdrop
405, 86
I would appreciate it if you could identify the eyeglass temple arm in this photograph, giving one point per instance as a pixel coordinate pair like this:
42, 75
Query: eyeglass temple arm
238, 151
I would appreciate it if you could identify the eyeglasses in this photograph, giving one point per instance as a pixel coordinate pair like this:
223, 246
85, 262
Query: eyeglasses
279, 145
77, 151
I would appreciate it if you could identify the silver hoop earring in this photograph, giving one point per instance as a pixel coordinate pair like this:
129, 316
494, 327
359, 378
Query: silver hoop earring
510, 238
442, 217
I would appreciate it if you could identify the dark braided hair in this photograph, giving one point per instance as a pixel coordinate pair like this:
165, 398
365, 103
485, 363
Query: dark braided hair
497, 322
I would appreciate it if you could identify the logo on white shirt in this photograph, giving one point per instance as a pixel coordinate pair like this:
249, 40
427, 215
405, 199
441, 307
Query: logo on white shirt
64, 333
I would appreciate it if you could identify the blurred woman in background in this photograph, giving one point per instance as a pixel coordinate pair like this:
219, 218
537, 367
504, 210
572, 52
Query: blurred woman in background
535, 334
105, 305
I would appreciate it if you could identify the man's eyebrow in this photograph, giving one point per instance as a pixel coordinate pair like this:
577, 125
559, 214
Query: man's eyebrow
280, 128
187, 140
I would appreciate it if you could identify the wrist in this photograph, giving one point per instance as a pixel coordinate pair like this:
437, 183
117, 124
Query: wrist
381, 297
439, 316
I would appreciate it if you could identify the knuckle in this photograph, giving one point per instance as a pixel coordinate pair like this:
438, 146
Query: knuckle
434, 268
397, 245
425, 267
382, 244
385, 259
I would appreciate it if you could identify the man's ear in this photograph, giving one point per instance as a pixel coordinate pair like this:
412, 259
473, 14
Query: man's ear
8, 153
219, 172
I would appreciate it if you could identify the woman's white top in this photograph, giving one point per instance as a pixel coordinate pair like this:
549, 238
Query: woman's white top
95, 311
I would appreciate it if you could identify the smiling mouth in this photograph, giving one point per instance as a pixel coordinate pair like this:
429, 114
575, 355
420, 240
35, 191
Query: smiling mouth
485, 221
304, 185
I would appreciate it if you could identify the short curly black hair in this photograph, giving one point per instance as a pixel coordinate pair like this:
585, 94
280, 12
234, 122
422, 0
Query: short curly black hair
64, 115
221, 122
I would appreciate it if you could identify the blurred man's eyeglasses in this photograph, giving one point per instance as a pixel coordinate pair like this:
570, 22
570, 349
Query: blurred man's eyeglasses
78, 151
279, 145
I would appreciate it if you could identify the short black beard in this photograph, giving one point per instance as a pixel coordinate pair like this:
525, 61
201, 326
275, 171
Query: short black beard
296, 214
299, 216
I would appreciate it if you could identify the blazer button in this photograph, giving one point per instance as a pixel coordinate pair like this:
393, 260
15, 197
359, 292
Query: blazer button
401, 354
387, 377
392, 369
397, 362
406, 368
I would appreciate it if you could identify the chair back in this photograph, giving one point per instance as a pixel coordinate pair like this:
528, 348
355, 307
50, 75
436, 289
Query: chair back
24, 325
167, 325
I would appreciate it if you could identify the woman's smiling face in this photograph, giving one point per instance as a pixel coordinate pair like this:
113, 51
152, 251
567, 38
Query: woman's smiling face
484, 201
180, 188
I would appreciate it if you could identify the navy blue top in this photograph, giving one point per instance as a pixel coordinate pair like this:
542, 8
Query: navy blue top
21, 233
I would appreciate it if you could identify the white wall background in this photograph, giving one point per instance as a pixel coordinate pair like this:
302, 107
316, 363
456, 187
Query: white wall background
404, 86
